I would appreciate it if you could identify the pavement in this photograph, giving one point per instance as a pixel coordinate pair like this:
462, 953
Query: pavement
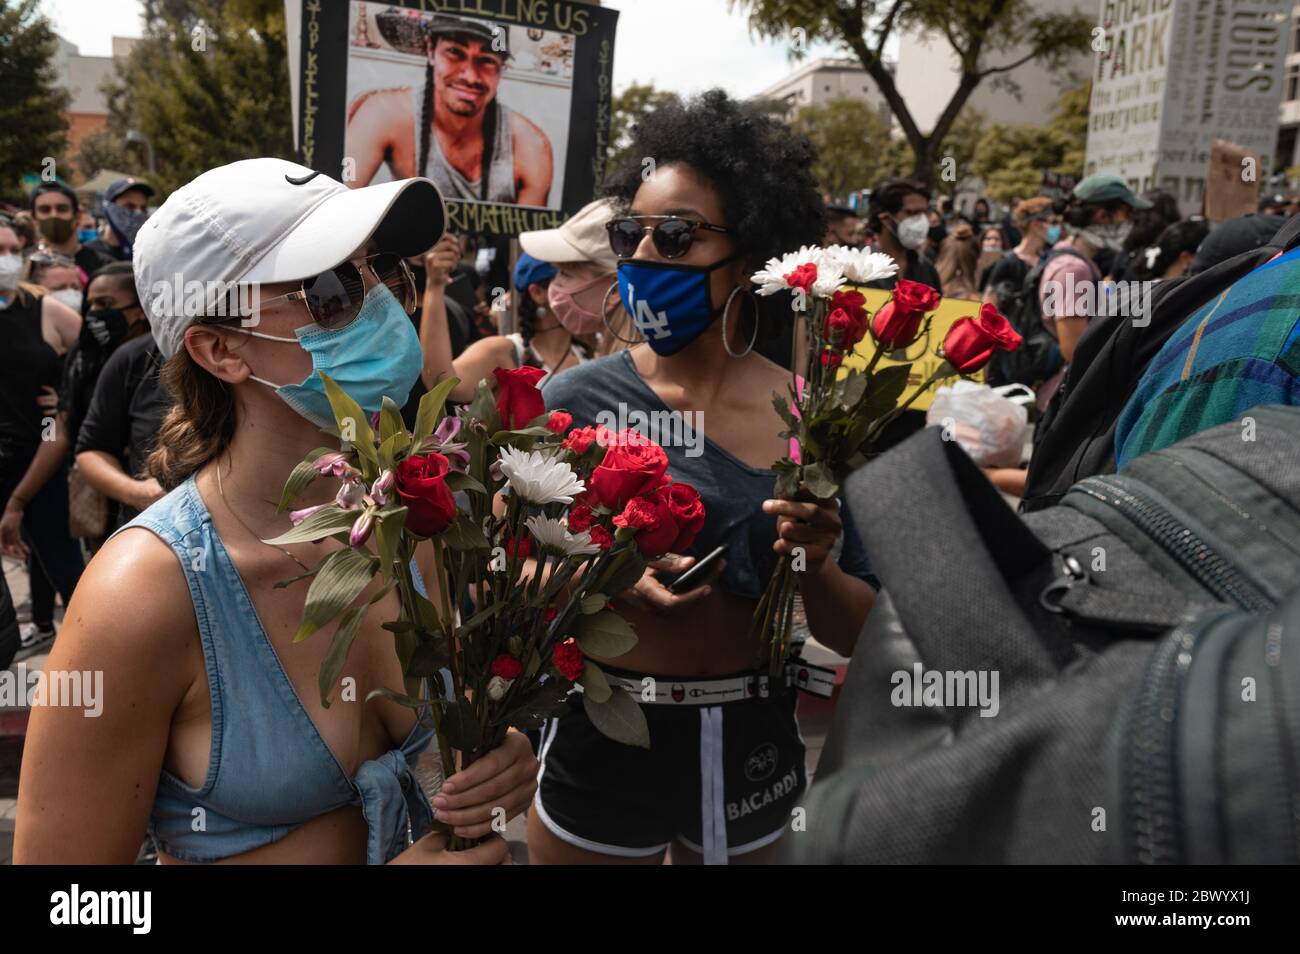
814, 720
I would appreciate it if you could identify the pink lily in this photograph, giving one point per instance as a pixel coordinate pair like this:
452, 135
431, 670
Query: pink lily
350, 495
380, 488
298, 516
362, 529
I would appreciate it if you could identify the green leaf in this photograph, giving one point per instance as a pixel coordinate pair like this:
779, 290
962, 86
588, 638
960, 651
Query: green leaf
300, 478
787, 479
458, 481
347, 410
547, 702
850, 389
593, 603
430, 657
411, 701
504, 437
605, 634
884, 390
388, 535
620, 719
459, 725
339, 581
627, 574
820, 481
464, 534
783, 409
430, 413
391, 426
332, 665
484, 407
594, 683
281, 584
321, 524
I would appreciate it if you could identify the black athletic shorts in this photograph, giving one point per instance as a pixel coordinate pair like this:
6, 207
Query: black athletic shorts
721, 779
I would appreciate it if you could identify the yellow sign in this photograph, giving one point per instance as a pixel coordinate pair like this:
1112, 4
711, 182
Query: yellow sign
921, 355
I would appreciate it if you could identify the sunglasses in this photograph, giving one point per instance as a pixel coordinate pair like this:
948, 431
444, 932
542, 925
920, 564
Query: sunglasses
334, 298
672, 236
49, 259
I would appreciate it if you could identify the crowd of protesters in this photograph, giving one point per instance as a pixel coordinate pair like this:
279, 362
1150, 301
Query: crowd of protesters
105, 414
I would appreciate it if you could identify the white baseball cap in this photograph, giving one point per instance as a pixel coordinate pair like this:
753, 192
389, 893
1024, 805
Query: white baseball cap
582, 238
265, 221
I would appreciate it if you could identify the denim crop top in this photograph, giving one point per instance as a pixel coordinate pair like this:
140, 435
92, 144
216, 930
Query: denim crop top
269, 770
732, 491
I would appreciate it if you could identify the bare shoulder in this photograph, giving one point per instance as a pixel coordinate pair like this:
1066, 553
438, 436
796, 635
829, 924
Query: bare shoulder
132, 613
528, 132
395, 100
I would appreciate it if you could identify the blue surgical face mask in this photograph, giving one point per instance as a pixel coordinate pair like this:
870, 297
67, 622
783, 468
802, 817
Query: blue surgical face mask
86, 235
670, 305
376, 356
1053, 234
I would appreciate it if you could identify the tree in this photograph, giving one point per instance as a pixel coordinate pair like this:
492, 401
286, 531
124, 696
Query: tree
32, 127
1011, 159
854, 147
208, 84
977, 30
629, 106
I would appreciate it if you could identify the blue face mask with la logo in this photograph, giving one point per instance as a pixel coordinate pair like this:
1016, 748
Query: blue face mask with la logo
670, 304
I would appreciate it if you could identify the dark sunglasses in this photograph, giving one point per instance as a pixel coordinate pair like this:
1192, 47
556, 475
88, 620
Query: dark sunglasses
334, 298
672, 236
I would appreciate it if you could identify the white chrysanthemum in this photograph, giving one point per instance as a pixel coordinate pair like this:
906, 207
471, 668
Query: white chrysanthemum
552, 534
538, 478
830, 276
770, 279
497, 688
862, 265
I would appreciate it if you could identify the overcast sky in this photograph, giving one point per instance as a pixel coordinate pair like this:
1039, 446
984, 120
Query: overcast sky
681, 45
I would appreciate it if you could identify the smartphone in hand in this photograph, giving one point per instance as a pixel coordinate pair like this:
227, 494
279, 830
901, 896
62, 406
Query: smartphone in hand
698, 572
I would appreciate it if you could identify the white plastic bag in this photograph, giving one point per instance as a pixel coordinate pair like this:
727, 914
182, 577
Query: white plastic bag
991, 424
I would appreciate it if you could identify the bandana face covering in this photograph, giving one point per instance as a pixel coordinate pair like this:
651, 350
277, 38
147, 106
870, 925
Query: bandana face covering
669, 304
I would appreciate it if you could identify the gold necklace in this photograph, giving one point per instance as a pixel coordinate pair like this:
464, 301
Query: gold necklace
222, 493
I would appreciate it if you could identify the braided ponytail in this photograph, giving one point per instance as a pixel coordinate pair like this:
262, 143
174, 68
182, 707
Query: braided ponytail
426, 119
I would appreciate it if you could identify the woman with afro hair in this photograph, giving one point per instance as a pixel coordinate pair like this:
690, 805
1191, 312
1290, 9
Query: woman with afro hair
711, 190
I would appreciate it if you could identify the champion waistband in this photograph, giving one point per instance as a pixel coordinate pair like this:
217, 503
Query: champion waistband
665, 690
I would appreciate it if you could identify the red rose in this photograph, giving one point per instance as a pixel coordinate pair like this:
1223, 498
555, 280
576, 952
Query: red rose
970, 343
632, 466
802, 277
831, 360
518, 399
844, 329
521, 547
898, 321
559, 422
600, 536
568, 659
421, 483
914, 296
580, 517
652, 519
507, 667
580, 439
851, 301
687, 511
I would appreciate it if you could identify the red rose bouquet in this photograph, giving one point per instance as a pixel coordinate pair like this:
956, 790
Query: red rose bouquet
835, 415
497, 636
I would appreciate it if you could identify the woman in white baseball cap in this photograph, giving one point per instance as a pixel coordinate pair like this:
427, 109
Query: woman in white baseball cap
567, 313
213, 713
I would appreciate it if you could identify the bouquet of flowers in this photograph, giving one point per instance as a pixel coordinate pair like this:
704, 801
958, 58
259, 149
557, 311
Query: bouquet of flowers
551, 522
833, 414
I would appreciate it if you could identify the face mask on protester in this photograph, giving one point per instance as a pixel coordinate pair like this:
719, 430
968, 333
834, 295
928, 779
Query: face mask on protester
86, 235
378, 355
577, 305
104, 328
1053, 234
55, 229
125, 224
71, 297
11, 269
912, 231
670, 305
1110, 235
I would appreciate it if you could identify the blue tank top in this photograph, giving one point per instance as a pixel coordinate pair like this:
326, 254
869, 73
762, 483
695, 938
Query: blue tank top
599, 391
269, 770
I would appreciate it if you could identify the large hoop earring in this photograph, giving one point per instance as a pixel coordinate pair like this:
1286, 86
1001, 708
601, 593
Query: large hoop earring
726, 343
604, 316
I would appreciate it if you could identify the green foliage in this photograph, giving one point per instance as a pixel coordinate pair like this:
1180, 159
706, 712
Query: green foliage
989, 38
854, 146
32, 127
1011, 159
203, 107
638, 100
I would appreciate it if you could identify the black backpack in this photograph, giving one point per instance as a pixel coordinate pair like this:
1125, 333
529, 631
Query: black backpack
1145, 634
1039, 357
1076, 436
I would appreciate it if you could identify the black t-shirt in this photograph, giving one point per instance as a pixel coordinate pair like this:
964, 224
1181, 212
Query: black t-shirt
127, 408
919, 269
1010, 269
114, 253
91, 260
27, 364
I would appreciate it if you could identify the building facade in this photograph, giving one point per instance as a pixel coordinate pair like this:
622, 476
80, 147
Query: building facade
820, 81
83, 77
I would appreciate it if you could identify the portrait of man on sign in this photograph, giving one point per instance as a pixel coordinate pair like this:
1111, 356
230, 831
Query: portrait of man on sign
455, 131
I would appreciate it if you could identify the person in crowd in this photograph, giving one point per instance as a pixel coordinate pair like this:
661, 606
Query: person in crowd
38, 331
1172, 254
1275, 204
59, 276
958, 263
1039, 224
541, 341
54, 208
732, 188
1099, 219
126, 207
1233, 237
213, 708
993, 244
898, 213
1009, 227
29, 236
1148, 224
980, 213
87, 230
842, 227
